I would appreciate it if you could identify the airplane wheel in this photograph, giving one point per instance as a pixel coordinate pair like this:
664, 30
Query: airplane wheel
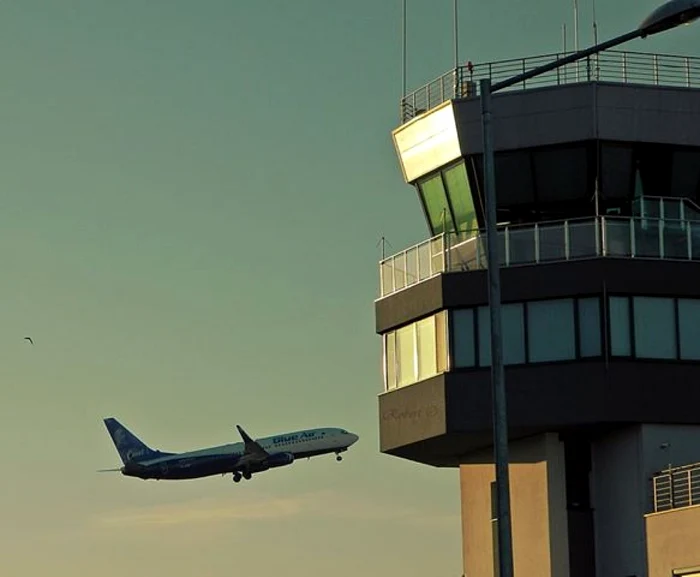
236, 478
338, 458
247, 475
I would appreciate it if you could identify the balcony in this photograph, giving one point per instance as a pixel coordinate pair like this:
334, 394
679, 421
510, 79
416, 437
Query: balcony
610, 66
659, 229
677, 487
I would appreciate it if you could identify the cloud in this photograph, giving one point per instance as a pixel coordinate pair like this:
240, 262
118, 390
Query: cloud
202, 510
328, 504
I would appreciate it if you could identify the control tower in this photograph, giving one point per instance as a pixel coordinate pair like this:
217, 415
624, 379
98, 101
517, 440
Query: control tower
598, 190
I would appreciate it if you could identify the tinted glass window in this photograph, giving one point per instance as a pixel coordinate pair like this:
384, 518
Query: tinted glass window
689, 328
589, 327
654, 328
551, 335
435, 202
620, 343
513, 328
463, 350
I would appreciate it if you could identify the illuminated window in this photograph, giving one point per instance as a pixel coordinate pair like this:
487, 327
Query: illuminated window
427, 348
405, 355
415, 352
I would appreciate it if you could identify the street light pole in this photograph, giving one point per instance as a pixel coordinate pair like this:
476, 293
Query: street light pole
498, 391
669, 15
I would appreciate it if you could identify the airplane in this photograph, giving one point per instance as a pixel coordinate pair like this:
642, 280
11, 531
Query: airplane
242, 460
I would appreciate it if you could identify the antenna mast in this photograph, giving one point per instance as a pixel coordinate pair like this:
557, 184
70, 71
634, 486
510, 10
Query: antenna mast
403, 49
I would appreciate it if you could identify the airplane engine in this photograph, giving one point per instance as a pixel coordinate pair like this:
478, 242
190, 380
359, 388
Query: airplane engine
280, 459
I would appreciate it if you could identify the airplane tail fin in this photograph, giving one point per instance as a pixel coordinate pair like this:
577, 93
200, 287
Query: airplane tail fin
129, 447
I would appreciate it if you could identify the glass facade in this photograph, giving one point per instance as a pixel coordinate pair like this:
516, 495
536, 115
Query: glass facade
513, 328
448, 201
551, 330
620, 339
655, 327
533, 332
415, 352
545, 331
589, 327
689, 329
439, 215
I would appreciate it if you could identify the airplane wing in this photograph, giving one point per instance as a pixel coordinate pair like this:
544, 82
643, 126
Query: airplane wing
252, 450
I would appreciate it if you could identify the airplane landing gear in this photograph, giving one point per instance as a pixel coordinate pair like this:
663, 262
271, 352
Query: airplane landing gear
338, 457
236, 477
247, 475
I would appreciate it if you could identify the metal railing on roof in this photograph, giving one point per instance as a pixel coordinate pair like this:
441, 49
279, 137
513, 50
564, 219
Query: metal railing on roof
676, 488
610, 66
645, 237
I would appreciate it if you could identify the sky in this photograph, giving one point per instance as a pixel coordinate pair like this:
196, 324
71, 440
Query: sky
191, 200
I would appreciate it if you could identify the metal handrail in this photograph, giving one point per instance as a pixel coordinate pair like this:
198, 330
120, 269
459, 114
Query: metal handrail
609, 66
644, 236
676, 487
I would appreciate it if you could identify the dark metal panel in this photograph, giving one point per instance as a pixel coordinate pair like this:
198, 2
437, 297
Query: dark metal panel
534, 117
561, 114
649, 114
453, 411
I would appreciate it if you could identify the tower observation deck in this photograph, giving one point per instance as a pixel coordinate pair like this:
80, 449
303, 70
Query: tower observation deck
597, 169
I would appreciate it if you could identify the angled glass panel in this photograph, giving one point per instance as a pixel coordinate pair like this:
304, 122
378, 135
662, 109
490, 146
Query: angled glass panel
620, 340
654, 328
513, 327
463, 343
589, 327
689, 328
460, 197
551, 334
435, 201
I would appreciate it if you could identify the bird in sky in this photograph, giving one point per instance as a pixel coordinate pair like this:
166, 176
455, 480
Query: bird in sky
29, 339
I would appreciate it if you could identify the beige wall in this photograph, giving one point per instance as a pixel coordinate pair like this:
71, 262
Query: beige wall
673, 541
540, 547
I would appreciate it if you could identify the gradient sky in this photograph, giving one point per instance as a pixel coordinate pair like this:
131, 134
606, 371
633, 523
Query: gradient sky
191, 197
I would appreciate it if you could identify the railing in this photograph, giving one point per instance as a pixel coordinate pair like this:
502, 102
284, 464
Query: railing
575, 239
679, 487
609, 66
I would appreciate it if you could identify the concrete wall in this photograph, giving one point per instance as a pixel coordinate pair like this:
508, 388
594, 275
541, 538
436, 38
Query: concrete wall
538, 508
618, 498
623, 464
673, 541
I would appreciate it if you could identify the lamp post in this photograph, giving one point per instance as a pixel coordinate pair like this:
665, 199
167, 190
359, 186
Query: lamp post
669, 15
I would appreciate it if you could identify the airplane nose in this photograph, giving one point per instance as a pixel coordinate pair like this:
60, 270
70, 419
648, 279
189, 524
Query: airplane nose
353, 438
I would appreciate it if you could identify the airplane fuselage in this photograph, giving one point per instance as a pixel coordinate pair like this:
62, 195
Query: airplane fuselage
231, 459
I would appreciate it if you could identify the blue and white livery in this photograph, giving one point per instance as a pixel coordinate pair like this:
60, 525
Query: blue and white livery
242, 460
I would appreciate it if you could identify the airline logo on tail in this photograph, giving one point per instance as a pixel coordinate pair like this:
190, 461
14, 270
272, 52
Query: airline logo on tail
130, 448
